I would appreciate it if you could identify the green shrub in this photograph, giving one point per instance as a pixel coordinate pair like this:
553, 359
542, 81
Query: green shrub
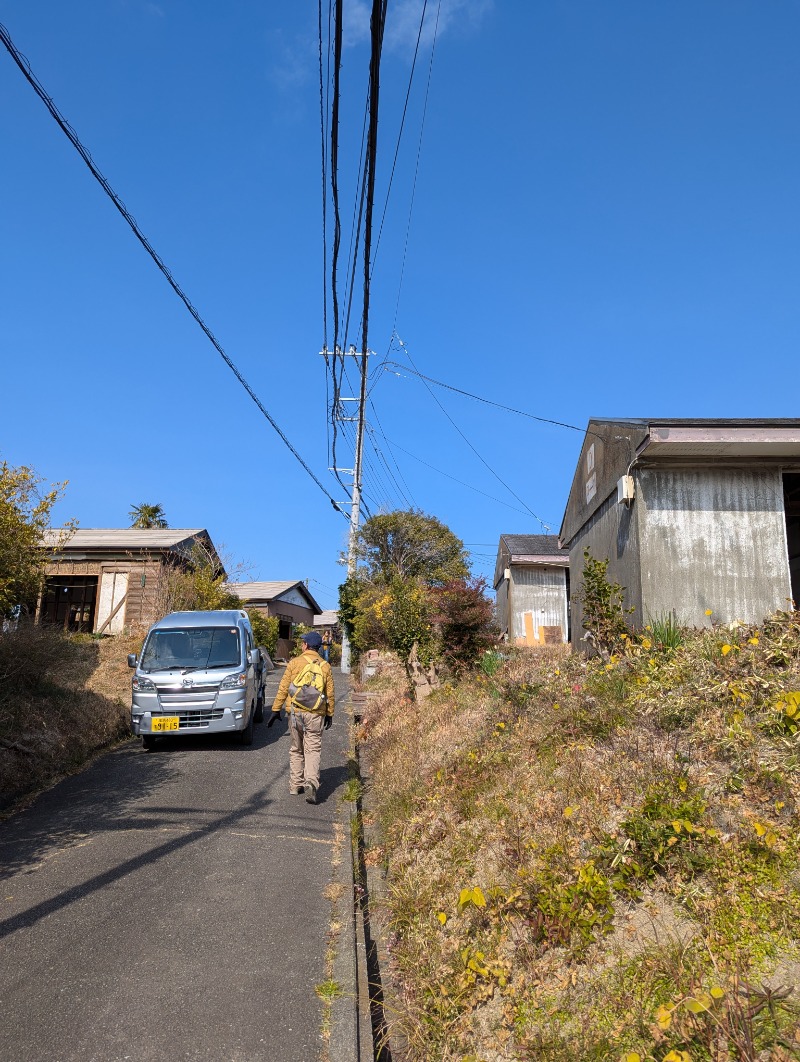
265, 630
601, 600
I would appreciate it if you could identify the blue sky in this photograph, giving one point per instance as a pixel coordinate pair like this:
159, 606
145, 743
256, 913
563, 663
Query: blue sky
605, 223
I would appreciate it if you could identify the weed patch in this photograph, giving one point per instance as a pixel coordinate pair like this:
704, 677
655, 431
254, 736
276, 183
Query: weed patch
597, 859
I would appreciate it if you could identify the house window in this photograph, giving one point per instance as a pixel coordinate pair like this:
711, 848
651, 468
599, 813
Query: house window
284, 628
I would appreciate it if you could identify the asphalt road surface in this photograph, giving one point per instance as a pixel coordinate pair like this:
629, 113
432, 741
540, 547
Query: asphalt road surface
169, 905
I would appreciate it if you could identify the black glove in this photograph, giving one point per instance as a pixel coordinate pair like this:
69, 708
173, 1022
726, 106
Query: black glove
272, 718
328, 722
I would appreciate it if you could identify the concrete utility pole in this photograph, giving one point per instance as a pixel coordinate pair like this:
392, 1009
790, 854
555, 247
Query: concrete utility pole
356, 473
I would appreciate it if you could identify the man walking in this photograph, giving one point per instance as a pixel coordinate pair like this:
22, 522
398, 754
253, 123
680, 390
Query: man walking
307, 691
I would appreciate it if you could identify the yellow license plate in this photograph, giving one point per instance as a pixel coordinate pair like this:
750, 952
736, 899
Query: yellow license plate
165, 722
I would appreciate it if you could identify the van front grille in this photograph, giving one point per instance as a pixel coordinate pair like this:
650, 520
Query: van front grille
194, 718
189, 701
188, 691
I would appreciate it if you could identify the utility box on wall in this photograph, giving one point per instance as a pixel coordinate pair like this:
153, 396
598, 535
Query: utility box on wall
625, 489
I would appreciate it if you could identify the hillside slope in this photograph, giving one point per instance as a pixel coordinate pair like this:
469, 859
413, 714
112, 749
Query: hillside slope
591, 860
61, 698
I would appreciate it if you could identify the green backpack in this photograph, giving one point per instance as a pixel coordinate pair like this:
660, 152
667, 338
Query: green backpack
308, 689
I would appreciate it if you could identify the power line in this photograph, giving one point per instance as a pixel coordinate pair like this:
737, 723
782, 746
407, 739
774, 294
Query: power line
416, 167
483, 461
407, 493
324, 111
479, 398
401, 494
337, 226
400, 132
397, 152
455, 479
65, 127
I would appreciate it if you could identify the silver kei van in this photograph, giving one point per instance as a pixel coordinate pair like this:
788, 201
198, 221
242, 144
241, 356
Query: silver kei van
199, 673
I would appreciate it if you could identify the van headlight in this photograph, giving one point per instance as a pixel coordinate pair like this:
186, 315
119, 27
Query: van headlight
234, 682
142, 684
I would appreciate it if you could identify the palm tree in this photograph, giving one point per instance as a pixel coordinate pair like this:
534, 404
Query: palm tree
148, 516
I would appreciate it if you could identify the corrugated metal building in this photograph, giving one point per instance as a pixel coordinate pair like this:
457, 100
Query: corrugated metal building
110, 579
291, 602
531, 580
692, 515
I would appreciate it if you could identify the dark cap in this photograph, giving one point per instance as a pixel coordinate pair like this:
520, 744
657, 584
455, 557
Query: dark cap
313, 639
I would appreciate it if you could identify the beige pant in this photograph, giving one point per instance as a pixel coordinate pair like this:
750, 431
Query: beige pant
306, 731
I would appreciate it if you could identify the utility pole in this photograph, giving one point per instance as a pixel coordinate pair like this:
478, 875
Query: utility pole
356, 472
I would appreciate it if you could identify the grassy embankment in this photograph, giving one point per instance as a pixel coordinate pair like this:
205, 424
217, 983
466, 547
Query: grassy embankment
589, 860
61, 699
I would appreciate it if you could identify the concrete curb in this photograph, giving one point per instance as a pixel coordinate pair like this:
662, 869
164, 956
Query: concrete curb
344, 1044
358, 1015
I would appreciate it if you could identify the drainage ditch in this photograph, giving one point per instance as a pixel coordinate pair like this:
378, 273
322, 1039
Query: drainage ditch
372, 983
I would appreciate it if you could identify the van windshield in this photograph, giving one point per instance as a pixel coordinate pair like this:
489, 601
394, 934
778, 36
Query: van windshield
193, 647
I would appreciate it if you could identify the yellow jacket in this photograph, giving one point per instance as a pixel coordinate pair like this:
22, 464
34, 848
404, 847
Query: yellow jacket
293, 669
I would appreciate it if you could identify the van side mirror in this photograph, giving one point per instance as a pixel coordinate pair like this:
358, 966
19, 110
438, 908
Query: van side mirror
255, 658
132, 661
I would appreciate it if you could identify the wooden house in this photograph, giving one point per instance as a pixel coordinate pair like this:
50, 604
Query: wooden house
106, 580
292, 602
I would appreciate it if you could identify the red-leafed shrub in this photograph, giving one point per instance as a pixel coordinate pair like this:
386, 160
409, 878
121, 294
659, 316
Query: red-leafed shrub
464, 619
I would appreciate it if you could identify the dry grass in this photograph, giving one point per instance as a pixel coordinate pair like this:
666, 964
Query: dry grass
578, 853
61, 699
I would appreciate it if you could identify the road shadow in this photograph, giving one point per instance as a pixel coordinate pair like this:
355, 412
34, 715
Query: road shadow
114, 793
331, 780
256, 803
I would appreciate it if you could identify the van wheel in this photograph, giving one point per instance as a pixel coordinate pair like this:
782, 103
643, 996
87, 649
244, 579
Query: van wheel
246, 735
148, 742
259, 716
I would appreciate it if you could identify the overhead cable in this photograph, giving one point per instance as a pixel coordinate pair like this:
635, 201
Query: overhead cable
400, 132
65, 127
416, 167
455, 479
478, 398
483, 460
323, 123
337, 226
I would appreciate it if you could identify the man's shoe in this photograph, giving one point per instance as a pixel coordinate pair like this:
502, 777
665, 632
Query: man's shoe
311, 793
297, 790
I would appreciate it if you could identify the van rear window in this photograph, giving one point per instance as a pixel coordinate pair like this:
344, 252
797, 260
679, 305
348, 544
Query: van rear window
193, 647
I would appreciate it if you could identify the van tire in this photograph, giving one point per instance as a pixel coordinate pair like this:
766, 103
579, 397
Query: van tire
246, 735
259, 716
148, 742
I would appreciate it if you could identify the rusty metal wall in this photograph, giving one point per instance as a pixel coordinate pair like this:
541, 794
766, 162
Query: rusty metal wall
712, 539
542, 591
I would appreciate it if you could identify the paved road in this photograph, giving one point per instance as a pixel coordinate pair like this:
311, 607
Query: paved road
169, 905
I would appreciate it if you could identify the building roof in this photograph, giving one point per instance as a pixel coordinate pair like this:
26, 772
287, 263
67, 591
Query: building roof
613, 446
528, 549
328, 618
115, 538
532, 545
264, 592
